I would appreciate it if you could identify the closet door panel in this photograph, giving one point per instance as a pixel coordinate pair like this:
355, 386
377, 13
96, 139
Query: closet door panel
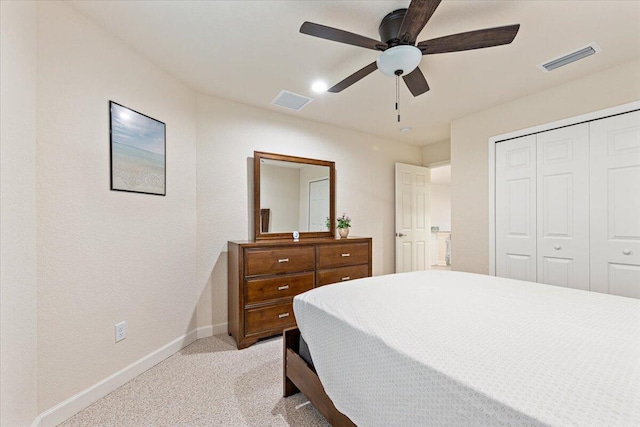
563, 206
615, 205
516, 208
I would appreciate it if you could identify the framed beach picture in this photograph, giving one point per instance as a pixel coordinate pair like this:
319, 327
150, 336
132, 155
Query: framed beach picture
138, 142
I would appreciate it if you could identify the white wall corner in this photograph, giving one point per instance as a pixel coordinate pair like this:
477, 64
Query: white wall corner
211, 330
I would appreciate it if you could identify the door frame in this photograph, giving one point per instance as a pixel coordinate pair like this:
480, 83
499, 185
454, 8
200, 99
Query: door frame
588, 117
432, 166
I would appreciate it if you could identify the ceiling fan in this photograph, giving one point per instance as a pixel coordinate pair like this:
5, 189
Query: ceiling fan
400, 54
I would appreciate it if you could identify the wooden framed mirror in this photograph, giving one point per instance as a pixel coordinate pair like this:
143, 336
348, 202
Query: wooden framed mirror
292, 194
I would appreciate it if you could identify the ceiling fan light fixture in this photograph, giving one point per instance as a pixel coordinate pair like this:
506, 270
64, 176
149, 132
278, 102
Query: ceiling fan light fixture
403, 58
319, 86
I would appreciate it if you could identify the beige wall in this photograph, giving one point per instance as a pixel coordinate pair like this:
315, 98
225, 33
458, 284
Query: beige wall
106, 256
438, 153
469, 152
229, 132
18, 286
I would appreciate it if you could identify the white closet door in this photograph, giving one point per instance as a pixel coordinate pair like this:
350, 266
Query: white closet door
563, 206
615, 205
516, 208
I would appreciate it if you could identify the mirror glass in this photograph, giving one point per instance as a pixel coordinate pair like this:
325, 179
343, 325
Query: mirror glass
292, 194
293, 197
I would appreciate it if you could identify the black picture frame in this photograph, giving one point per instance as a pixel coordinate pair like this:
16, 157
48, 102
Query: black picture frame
137, 151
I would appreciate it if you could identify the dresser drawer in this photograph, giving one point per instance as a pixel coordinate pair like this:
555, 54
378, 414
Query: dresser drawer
268, 318
280, 260
338, 255
283, 286
342, 274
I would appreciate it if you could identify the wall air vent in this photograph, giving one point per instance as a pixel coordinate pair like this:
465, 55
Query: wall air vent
290, 100
589, 50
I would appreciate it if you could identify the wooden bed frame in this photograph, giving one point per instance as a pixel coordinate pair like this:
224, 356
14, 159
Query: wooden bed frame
300, 377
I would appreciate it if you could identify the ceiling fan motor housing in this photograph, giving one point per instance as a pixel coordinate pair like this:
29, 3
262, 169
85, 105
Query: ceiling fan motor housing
390, 26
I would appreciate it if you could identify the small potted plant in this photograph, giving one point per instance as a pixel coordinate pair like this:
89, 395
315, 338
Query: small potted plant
344, 222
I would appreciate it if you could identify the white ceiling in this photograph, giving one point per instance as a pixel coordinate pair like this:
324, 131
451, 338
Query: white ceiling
248, 51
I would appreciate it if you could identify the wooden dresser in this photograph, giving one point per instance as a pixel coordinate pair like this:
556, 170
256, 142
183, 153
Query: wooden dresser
264, 276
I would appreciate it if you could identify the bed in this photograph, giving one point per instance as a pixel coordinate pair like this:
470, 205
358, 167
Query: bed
449, 348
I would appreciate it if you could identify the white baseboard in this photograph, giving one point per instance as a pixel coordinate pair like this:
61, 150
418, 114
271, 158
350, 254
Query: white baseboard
220, 328
204, 332
211, 330
76, 403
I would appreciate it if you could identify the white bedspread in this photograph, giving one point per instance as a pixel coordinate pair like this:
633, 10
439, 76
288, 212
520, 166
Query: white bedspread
444, 348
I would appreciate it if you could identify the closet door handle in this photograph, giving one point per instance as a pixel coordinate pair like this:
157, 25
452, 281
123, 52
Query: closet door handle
627, 251
557, 247
283, 260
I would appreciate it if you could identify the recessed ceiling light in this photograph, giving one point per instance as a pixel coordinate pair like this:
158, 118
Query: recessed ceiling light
405, 130
319, 86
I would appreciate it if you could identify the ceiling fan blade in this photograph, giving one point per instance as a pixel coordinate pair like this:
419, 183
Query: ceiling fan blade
470, 40
416, 82
358, 75
341, 36
416, 18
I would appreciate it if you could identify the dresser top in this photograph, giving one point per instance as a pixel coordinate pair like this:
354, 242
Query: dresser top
301, 242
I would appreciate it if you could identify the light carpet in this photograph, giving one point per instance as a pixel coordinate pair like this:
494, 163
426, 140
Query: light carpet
208, 383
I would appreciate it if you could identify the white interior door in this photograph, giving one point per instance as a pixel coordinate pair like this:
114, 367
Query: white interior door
563, 206
615, 205
318, 204
413, 218
516, 208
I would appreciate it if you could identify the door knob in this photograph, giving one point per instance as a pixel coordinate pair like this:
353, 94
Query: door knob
400, 234
627, 251
557, 247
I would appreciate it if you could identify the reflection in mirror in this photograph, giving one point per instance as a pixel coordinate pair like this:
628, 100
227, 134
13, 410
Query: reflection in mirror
293, 196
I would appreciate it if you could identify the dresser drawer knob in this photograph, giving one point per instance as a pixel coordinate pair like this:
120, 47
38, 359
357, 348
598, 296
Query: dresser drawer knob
283, 288
627, 251
283, 315
345, 278
283, 260
346, 254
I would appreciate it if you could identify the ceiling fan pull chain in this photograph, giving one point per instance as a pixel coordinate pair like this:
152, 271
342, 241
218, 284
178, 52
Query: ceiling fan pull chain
398, 96
396, 93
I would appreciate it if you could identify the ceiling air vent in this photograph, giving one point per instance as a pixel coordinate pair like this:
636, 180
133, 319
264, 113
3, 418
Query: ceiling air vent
589, 50
291, 100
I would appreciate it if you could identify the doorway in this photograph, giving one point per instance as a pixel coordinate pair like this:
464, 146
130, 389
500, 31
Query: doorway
441, 217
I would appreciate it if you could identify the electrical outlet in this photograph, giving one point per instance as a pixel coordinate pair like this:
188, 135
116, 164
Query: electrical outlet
121, 331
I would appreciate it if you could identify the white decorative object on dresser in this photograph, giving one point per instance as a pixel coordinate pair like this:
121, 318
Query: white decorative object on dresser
567, 205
